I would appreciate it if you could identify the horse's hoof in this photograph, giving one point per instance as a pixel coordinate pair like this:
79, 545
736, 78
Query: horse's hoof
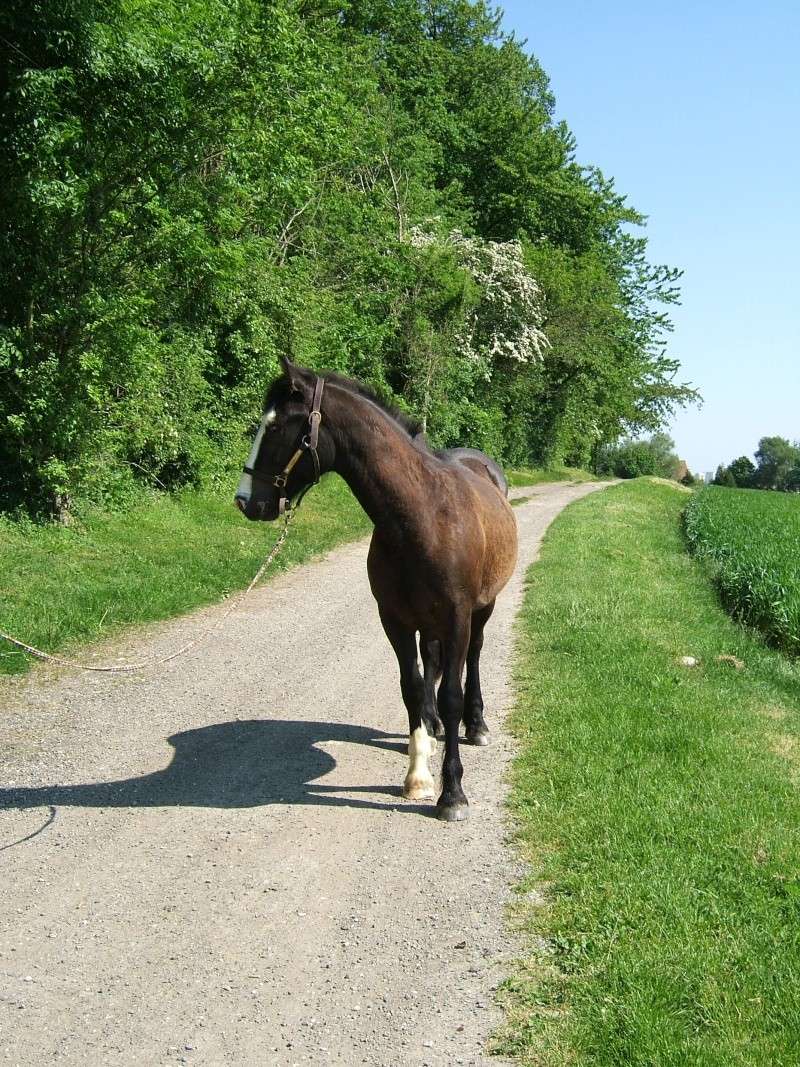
418, 788
478, 737
452, 812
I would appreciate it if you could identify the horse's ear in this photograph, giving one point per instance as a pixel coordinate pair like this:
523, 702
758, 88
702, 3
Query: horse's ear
294, 376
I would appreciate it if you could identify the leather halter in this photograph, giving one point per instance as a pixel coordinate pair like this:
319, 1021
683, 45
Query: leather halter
308, 443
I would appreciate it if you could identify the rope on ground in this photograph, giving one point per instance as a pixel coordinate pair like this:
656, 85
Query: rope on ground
35, 833
155, 661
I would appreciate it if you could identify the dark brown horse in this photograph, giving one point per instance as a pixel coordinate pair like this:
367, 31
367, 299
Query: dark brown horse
444, 545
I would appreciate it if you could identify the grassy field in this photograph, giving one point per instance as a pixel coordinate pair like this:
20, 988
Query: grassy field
658, 807
751, 540
61, 586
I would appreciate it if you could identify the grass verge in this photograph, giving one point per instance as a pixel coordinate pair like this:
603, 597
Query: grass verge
61, 586
535, 475
658, 807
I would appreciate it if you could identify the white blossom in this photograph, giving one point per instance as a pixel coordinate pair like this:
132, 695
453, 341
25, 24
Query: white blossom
506, 321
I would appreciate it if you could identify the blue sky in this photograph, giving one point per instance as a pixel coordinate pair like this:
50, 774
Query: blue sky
694, 110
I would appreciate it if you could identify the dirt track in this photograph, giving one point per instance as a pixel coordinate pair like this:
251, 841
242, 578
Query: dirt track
226, 872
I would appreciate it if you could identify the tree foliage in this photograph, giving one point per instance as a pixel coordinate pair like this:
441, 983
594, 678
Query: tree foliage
724, 476
775, 458
742, 471
777, 467
192, 187
632, 459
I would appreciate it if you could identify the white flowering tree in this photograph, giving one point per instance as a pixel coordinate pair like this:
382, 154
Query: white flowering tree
489, 310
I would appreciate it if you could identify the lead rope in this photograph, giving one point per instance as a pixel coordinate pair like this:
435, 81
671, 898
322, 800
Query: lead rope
123, 668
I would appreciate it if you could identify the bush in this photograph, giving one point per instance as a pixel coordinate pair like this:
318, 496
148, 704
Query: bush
633, 459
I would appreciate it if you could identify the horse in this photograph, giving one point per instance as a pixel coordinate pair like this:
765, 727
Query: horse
443, 547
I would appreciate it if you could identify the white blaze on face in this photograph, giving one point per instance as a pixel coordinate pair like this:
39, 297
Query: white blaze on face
245, 489
419, 784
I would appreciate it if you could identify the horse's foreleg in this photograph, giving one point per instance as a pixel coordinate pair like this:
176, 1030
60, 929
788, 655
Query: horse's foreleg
453, 806
477, 730
419, 783
432, 666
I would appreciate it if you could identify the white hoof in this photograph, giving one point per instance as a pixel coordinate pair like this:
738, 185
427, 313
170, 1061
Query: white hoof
419, 784
419, 787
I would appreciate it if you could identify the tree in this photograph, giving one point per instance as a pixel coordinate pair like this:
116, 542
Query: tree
743, 470
191, 188
775, 457
632, 459
663, 448
724, 477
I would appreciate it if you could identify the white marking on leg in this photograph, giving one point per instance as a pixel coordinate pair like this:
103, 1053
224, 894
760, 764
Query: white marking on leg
419, 783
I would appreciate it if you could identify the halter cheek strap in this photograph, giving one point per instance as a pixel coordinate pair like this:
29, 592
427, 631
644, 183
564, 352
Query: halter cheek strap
308, 443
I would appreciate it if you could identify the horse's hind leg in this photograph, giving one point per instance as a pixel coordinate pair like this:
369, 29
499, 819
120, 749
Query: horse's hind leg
432, 666
477, 730
419, 784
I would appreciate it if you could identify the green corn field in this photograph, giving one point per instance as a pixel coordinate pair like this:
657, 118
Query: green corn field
751, 539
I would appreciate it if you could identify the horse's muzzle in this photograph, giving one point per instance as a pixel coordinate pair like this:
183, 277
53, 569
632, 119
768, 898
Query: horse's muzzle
260, 510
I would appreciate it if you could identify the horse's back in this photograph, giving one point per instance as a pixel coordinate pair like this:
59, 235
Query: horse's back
477, 461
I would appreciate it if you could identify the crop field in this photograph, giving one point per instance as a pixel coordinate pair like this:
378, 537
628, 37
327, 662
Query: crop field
751, 539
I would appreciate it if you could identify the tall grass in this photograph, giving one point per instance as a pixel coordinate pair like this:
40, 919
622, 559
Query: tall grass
751, 539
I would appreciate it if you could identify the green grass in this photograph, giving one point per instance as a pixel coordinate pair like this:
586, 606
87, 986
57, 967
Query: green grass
535, 475
60, 587
658, 807
751, 539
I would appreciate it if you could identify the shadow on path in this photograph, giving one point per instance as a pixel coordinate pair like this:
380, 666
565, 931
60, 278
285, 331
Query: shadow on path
240, 764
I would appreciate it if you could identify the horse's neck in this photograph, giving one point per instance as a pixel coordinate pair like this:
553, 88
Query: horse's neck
377, 459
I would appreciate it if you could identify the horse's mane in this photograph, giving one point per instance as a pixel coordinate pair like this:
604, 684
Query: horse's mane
411, 426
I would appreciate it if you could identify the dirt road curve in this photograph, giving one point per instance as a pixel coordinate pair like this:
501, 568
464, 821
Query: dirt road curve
226, 872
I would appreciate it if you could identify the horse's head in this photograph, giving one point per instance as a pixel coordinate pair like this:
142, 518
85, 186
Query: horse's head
288, 453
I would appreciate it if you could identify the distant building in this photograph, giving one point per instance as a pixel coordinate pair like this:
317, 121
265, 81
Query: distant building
709, 477
681, 470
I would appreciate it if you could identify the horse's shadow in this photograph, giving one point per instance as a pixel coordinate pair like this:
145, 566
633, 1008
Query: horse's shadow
239, 764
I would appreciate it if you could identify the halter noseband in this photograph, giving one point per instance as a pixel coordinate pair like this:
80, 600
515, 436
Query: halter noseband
308, 443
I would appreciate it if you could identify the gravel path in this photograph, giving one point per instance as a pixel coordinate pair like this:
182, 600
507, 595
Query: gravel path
222, 869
